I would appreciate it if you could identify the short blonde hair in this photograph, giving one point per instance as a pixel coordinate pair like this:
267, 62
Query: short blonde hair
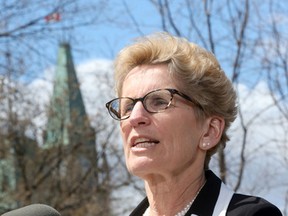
196, 69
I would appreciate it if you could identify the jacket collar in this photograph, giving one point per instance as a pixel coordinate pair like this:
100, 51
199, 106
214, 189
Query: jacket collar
204, 202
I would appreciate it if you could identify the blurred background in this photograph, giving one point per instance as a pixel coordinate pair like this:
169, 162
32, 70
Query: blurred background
58, 145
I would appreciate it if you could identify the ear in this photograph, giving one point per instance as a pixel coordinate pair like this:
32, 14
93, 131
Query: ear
213, 129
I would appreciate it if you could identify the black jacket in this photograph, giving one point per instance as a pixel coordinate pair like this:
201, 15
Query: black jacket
240, 205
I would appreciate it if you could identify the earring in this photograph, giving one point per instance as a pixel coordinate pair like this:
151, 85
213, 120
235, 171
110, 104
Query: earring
205, 144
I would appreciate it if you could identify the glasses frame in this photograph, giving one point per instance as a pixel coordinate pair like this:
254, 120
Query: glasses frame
142, 99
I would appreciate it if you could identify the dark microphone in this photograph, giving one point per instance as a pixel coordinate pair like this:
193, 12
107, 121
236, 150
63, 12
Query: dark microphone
33, 210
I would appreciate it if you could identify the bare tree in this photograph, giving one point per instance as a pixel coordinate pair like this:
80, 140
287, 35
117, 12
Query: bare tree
30, 28
53, 176
248, 37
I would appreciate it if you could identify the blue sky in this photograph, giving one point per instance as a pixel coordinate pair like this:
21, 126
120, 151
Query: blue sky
104, 39
124, 20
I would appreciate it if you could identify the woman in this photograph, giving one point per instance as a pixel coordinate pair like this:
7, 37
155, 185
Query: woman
175, 105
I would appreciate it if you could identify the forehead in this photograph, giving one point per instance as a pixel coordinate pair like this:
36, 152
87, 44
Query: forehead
145, 78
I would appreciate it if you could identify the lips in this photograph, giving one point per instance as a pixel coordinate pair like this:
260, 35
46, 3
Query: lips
144, 143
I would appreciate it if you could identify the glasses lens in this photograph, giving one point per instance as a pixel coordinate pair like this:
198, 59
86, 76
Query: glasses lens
126, 106
113, 108
121, 108
158, 101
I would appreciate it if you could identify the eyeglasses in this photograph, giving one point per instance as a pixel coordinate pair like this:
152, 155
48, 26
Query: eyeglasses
153, 102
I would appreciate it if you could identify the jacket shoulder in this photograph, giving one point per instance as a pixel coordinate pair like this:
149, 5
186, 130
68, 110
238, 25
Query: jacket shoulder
251, 206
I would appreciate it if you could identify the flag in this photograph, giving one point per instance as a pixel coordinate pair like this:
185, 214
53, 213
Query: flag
54, 17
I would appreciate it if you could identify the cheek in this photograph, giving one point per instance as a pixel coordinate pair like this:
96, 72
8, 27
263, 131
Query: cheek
124, 134
124, 138
123, 130
185, 148
186, 136
182, 139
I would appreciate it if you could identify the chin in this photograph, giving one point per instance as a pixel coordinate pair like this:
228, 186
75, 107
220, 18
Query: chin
140, 166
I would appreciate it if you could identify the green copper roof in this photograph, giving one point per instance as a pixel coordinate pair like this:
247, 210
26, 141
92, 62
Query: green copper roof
67, 119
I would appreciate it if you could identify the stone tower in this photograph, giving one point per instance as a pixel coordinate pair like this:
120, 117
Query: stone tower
67, 120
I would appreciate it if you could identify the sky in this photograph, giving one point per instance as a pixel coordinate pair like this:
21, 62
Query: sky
105, 39
98, 45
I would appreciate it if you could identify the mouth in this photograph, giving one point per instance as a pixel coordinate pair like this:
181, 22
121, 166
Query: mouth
144, 143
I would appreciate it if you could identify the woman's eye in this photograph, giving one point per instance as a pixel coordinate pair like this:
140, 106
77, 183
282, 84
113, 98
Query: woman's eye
127, 108
158, 102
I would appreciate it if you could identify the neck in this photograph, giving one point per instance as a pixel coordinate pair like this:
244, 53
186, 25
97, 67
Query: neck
170, 196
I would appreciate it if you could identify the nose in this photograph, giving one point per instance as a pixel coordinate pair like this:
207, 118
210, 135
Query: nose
139, 116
